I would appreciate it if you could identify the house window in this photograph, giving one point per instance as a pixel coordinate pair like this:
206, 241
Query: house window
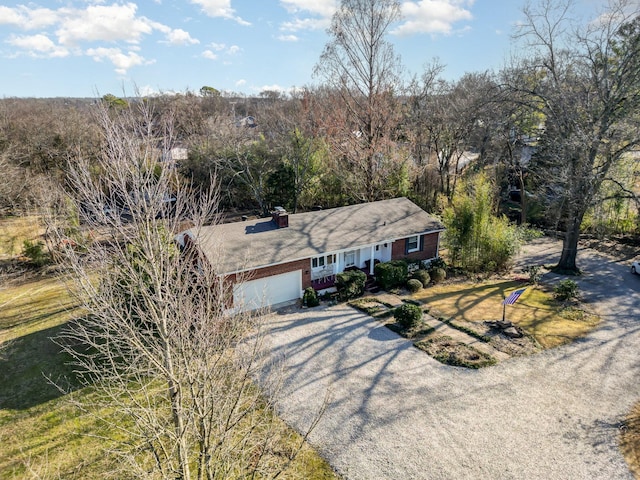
317, 262
349, 259
413, 244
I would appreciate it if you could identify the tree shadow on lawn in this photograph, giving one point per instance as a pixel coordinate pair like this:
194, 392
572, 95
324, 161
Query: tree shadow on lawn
28, 365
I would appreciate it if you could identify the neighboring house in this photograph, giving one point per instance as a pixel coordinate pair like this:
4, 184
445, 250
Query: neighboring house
278, 257
174, 156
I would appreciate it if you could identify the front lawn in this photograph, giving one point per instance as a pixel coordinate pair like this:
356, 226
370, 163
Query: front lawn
550, 322
41, 433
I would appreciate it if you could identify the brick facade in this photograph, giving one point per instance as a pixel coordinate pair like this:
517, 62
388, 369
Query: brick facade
428, 242
304, 265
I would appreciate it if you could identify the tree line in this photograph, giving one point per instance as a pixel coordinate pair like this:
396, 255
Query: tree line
557, 127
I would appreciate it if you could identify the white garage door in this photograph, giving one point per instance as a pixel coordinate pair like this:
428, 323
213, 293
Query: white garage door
268, 291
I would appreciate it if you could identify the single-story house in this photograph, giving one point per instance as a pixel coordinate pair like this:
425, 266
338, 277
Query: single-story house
278, 257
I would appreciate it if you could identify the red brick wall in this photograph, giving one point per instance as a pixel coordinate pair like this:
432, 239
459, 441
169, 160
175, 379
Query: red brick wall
304, 265
429, 248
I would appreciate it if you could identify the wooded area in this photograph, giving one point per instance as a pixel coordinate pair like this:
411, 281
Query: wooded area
556, 132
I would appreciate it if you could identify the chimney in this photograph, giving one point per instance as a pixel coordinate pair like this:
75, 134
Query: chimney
280, 217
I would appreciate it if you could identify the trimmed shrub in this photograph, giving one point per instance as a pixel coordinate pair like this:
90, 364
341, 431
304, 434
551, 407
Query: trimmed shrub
534, 272
414, 285
565, 290
310, 298
438, 275
350, 284
437, 263
408, 315
35, 252
423, 276
391, 274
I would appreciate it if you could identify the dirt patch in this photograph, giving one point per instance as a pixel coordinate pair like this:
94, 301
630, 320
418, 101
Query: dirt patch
374, 306
514, 347
630, 440
453, 352
623, 248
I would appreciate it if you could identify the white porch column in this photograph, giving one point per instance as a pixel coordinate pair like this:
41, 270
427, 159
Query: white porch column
371, 260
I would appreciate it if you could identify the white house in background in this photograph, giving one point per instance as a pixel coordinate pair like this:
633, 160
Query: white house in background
175, 155
279, 257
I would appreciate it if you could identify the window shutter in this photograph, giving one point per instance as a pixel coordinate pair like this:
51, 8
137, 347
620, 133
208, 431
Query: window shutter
421, 242
406, 246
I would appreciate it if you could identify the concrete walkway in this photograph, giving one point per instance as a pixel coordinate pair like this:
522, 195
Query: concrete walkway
395, 413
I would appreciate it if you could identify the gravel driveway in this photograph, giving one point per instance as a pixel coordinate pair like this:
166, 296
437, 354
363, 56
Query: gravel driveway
395, 413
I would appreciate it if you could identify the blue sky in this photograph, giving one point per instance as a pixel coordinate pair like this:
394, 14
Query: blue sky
88, 48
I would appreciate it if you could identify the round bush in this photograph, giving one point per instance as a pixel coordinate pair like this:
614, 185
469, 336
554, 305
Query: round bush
423, 276
566, 290
414, 285
408, 315
438, 275
310, 297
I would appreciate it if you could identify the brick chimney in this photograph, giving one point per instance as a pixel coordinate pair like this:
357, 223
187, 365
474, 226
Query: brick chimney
280, 217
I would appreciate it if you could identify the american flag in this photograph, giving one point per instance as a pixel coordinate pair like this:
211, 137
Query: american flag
513, 297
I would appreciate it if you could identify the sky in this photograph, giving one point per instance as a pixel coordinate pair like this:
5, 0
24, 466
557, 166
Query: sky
89, 48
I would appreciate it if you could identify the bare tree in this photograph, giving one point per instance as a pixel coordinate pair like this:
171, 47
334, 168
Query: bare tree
158, 344
585, 81
363, 69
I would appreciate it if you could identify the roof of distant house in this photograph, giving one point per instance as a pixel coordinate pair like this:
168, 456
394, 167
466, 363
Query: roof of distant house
240, 246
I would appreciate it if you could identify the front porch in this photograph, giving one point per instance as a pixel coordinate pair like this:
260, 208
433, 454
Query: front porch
326, 282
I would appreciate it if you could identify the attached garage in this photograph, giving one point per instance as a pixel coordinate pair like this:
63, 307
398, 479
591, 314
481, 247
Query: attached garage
268, 291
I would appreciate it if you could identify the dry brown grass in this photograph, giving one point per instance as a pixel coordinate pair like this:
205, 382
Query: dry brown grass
15, 230
630, 440
551, 323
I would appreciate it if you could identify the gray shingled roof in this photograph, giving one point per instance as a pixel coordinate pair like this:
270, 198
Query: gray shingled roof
246, 245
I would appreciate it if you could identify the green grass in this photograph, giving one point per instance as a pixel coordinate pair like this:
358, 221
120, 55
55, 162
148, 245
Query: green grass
550, 322
42, 435
34, 306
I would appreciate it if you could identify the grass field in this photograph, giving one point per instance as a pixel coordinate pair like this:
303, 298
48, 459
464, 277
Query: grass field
15, 230
551, 323
42, 435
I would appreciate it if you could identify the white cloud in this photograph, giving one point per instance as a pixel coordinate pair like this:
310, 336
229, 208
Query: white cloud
38, 46
148, 91
122, 61
220, 47
181, 37
310, 14
288, 38
103, 23
241, 82
208, 54
219, 8
106, 27
273, 88
302, 24
433, 16
324, 8
26, 18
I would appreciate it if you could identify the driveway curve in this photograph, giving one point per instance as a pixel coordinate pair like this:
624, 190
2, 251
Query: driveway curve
395, 413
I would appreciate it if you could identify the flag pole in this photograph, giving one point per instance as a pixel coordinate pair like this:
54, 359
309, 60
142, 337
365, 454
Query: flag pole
504, 308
